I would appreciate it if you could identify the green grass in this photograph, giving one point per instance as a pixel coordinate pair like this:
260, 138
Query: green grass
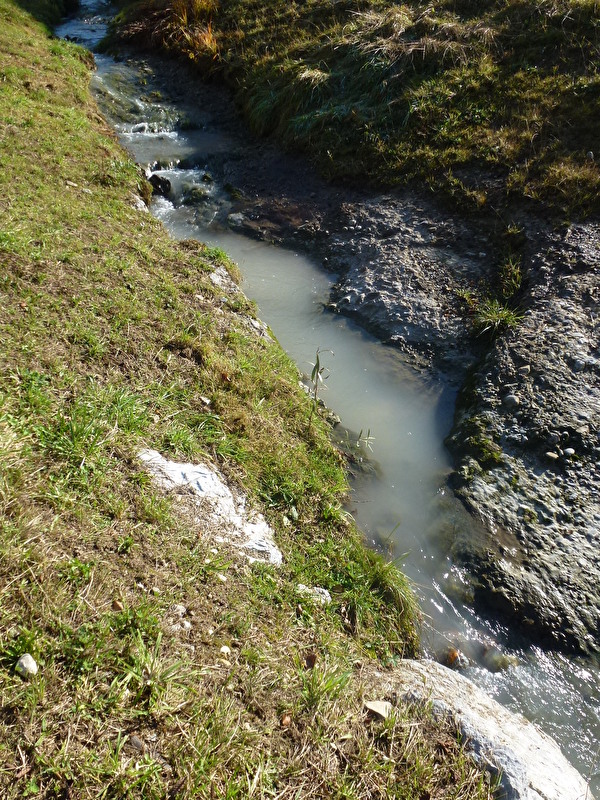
488, 103
111, 340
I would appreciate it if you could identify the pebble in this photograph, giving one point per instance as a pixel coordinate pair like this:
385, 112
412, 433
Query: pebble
552, 456
316, 593
569, 452
525, 370
511, 401
179, 610
26, 666
225, 651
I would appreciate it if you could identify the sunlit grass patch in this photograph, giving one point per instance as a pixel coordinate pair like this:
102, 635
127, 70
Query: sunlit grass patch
383, 94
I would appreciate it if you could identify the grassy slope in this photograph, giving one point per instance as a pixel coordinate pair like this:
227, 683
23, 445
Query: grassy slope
488, 100
110, 337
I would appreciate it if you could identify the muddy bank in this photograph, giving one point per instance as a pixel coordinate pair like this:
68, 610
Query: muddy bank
527, 426
527, 443
526, 438
526, 434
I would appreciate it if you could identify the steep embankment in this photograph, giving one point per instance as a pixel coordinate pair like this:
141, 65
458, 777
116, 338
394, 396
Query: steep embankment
489, 101
162, 662
490, 113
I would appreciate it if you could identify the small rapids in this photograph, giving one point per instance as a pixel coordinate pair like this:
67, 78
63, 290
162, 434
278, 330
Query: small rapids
400, 497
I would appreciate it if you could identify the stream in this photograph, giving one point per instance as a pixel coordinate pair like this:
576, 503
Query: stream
402, 504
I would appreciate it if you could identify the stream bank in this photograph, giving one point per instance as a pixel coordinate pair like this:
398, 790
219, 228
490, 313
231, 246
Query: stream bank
252, 188
532, 396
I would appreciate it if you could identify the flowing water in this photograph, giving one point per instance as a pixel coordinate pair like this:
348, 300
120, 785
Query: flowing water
403, 504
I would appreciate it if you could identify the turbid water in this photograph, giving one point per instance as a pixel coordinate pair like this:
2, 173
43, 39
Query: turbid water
403, 504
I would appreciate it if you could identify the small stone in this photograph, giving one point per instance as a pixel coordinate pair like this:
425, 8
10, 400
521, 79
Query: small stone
178, 610
525, 370
569, 452
186, 625
155, 591
379, 708
222, 578
316, 593
511, 401
117, 605
552, 456
225, 651
235, 220
26, 666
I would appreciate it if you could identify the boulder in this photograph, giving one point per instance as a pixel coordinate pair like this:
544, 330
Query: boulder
530, 763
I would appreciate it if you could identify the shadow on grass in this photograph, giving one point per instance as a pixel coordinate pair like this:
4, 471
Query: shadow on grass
49, 12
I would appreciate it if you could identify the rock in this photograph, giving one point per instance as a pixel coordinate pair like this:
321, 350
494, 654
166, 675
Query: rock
235, 220
317, 594
208, 495
160, 185
26, 666
569, 452
225, 651
531, 764
178, 610
195, 195
379, 708
511, 401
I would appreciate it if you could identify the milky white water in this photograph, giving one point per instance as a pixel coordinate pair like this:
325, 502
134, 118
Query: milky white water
405, 507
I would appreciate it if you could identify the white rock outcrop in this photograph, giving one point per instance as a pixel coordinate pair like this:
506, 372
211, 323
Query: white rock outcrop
224, 517
531, 764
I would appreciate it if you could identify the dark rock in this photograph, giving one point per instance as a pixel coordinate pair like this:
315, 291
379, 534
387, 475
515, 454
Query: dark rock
160, 185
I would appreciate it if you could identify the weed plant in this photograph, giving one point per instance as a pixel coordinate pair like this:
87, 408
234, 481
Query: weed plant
112, 339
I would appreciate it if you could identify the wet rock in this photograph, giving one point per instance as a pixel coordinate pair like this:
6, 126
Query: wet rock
235, 220
530, 763
511, 401
160, 185
549, 481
